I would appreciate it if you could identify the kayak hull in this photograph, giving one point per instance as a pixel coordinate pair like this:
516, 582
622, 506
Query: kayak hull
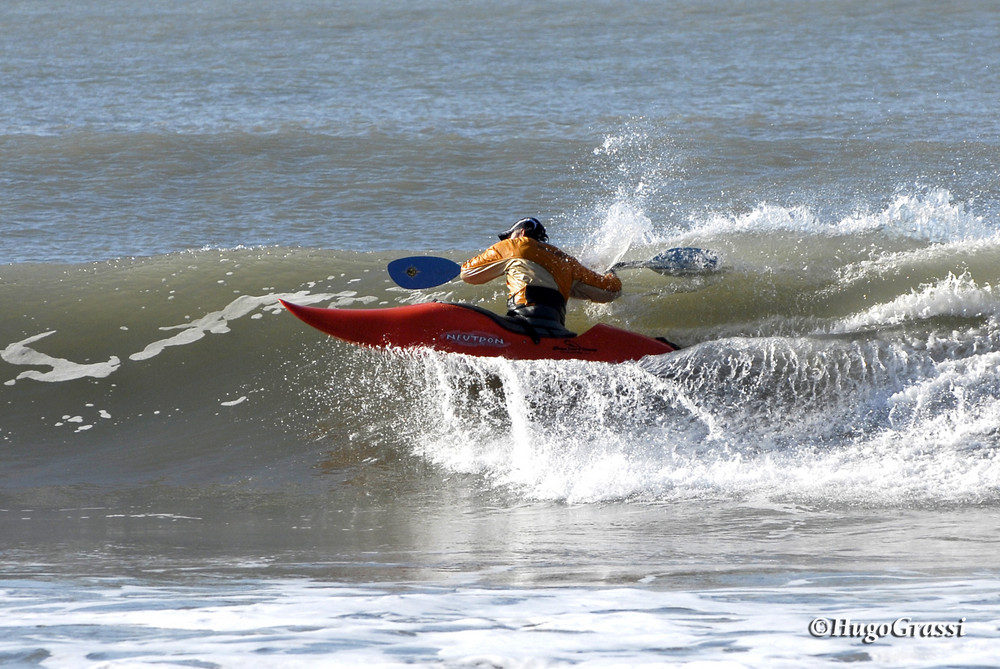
456, 328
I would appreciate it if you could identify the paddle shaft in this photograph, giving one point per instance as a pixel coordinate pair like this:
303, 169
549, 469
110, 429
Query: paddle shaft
418, 272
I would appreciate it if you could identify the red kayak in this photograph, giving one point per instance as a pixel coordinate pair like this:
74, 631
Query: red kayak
462, 328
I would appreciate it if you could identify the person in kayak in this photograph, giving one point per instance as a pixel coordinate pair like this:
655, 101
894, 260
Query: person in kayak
540, 277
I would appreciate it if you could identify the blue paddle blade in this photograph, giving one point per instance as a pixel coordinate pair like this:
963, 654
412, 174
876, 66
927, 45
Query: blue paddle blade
418, 272
686, 260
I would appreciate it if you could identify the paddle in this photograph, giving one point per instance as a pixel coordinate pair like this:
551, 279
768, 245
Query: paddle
417, 272
676, 262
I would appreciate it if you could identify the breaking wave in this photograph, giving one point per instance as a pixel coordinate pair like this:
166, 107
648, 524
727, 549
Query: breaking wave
856, 362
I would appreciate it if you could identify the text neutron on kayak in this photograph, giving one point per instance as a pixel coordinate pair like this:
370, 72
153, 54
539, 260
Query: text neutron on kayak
475, 339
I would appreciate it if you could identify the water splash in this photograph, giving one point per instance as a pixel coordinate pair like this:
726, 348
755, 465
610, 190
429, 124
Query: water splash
801, 420
634, 167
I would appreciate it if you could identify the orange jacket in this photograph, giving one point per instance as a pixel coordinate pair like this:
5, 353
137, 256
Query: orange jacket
528, 262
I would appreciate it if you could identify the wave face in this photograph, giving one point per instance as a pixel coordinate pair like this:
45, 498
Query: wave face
856, 362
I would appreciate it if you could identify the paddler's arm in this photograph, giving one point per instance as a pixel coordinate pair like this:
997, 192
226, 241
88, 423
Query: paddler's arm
589, 285
486, 266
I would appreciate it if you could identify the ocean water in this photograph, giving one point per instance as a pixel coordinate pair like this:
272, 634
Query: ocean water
191, 477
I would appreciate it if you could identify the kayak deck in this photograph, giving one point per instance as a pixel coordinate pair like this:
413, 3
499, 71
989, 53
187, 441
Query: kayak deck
459, 328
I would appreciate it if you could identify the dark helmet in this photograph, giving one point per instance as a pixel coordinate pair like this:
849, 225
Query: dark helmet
532, 228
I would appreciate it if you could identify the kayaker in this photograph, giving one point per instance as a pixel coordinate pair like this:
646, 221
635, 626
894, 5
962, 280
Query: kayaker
540, 277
